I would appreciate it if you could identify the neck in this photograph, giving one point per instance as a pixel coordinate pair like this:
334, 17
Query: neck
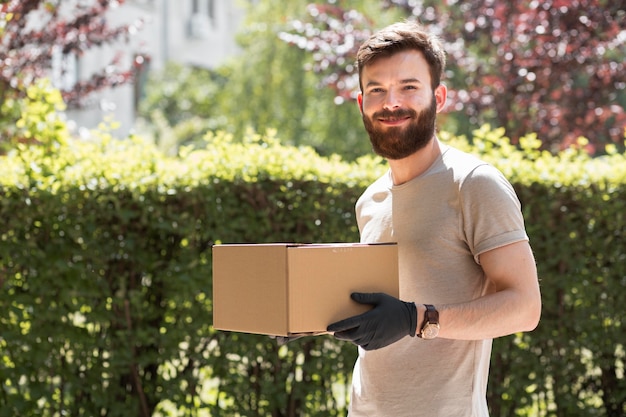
414, 165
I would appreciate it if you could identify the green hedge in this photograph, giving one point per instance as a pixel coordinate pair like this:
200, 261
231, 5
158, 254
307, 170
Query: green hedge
105, 276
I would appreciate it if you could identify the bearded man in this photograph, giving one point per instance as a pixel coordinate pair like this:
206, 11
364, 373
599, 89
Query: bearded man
467, 271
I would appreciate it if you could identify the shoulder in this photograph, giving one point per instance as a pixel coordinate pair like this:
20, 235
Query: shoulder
478, 182
378, 191
459, 162
381, 184
471, 171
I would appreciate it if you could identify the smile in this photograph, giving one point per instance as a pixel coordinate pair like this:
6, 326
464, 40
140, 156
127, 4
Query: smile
393, 121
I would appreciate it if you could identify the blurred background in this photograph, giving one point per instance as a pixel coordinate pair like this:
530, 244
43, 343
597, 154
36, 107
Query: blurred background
136, 134
174, 70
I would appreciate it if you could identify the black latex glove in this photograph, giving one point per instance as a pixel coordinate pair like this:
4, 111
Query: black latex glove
389, 321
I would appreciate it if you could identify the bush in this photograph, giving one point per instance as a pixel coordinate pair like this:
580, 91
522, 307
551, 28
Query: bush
33, 118
105, 262
105, 268
180, 106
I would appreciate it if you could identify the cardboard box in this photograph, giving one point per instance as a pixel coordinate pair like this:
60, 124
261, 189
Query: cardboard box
291, 289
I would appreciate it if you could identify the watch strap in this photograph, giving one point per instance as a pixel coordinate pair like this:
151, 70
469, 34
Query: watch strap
431, 316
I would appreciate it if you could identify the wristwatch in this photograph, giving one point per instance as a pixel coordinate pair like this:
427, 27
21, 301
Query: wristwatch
430, 328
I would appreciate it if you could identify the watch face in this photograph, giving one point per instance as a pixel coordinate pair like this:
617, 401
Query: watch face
430, 331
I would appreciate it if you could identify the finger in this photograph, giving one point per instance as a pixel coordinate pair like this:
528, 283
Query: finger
346, 324
349, 335
373, 298
356, 336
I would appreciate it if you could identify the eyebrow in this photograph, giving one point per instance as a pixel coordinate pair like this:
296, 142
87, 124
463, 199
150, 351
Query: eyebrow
402, 82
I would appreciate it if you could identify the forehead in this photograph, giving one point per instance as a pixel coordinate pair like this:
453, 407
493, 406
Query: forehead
404, 65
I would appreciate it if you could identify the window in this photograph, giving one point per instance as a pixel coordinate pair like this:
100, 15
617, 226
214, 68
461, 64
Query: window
205, 8
202, 20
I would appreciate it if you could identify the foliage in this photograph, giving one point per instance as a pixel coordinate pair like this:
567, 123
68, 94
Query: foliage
264, 91
549, 67
265, 87
36, 118
33, 33
105, 269
180, 106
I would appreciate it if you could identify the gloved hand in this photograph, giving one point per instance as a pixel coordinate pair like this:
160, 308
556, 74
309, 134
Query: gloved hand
389, 321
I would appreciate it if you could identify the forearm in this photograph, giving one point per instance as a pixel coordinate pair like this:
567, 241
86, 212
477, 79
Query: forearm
512, 305
493, 315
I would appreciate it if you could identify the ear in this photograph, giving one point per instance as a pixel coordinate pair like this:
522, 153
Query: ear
359, 99
441, 95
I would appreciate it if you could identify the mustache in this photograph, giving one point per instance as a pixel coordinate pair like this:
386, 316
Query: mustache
397, 114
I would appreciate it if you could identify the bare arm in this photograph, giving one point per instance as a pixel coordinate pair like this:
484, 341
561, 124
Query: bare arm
515, 306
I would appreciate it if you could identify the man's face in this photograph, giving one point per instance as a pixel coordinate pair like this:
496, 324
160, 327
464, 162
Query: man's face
398, 105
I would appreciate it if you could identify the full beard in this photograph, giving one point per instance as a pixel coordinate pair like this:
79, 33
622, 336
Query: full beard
400, 142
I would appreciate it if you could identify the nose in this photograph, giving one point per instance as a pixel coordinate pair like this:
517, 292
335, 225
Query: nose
392, 100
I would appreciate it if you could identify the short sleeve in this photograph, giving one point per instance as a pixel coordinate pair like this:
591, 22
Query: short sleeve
491, 211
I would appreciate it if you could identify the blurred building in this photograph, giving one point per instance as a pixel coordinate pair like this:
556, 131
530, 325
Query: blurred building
194, 32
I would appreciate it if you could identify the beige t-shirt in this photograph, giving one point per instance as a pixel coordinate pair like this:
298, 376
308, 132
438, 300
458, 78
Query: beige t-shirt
442, 221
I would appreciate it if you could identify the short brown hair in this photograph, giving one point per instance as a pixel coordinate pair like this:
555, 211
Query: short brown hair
400, 37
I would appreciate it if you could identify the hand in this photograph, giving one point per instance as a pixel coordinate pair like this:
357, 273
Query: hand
389, 321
